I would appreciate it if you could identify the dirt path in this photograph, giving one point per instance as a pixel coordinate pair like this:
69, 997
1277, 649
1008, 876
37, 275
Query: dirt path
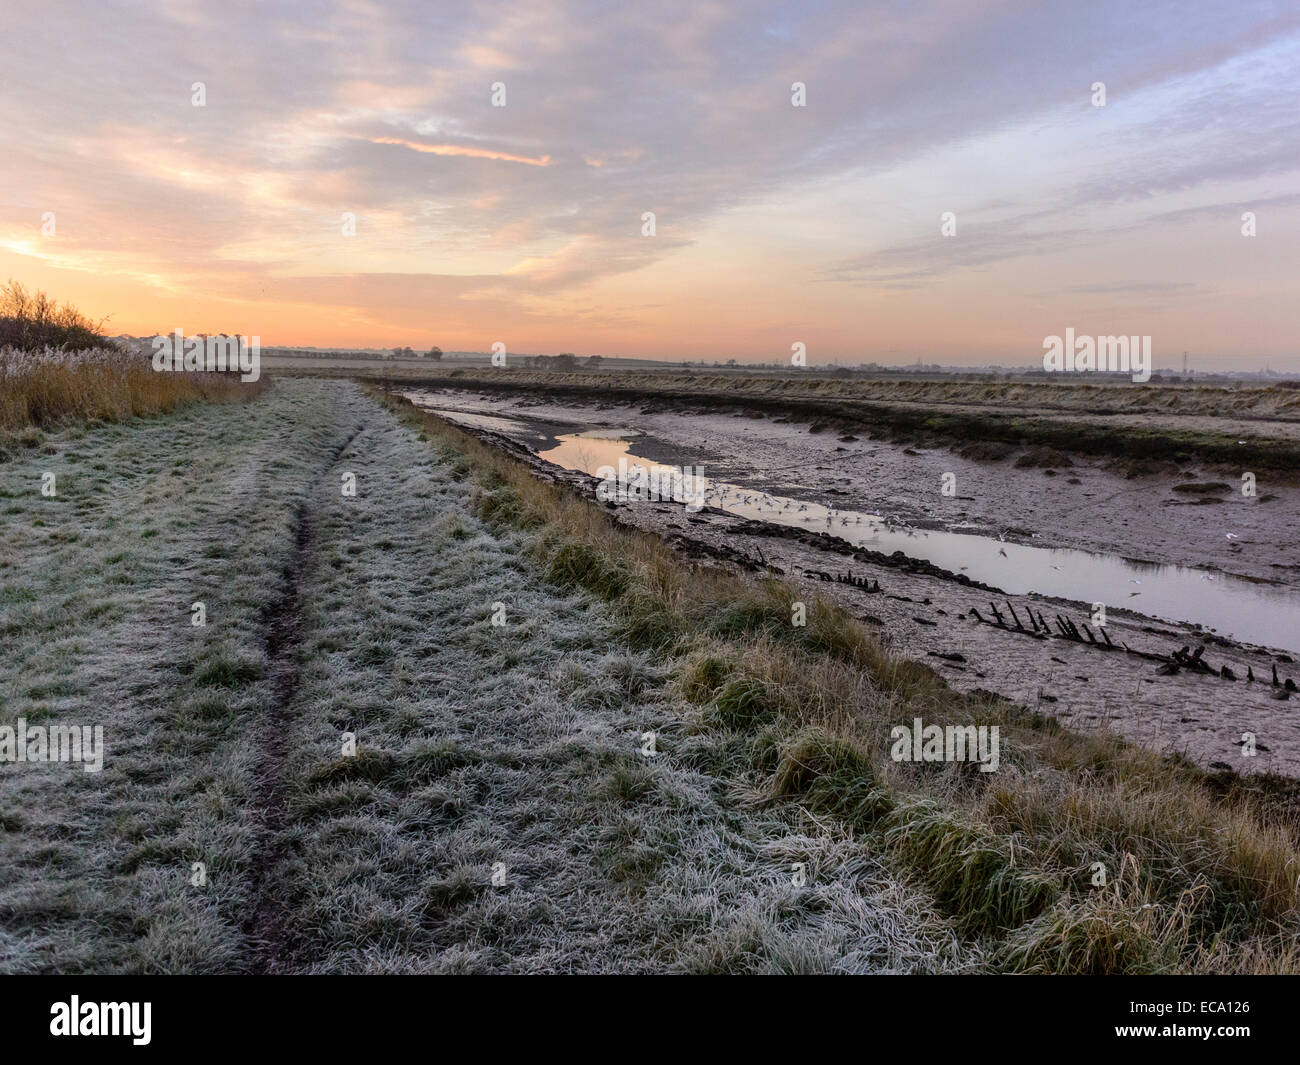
282, 622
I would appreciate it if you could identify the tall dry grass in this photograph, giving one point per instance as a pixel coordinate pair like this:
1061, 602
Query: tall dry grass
96, 384
1082, 854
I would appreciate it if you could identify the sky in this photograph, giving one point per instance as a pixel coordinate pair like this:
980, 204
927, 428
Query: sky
774, 224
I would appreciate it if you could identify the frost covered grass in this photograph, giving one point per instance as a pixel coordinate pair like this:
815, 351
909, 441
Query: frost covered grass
1199, 871
44, 388
498, 813
412, 736
99, 581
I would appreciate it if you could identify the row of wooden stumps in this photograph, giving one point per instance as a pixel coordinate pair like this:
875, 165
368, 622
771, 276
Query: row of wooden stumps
846, 577
1065, 628
1183, 659
1186, 658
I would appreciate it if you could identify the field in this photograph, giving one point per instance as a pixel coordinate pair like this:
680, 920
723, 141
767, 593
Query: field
466, 720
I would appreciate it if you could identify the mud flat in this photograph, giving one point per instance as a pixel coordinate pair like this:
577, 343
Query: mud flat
1045, 535
1243, 428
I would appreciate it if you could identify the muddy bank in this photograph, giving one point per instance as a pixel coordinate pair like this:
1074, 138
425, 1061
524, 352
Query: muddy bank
1170, 686
1261, 433
1024, 496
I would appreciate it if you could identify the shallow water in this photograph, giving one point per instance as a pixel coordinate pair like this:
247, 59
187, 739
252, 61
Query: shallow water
1244, 610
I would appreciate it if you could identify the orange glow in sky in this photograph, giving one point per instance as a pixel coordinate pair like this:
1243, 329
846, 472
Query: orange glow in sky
351, 182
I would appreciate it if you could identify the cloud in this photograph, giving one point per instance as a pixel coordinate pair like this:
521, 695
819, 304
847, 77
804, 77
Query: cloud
681, 108
465, 150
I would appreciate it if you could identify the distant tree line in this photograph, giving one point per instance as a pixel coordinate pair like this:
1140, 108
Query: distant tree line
434, 353
566, 360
